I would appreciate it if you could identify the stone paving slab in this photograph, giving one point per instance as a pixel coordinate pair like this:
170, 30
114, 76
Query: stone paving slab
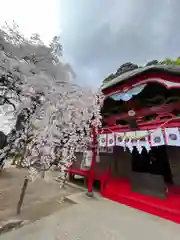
97, 219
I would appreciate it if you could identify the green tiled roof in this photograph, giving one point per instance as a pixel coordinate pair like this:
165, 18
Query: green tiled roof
171, 69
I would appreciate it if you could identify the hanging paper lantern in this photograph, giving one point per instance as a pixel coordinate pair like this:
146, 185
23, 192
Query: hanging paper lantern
172, 136
102, 140
157, 138
110, 140
120, 139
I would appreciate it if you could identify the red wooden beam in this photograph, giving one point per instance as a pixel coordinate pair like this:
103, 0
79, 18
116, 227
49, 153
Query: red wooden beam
143, 112
142, 126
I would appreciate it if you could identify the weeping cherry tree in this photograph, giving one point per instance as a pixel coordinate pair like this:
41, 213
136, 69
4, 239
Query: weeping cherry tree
45, 102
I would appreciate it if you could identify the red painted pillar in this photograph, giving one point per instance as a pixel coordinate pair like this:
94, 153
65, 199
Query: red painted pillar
91, 172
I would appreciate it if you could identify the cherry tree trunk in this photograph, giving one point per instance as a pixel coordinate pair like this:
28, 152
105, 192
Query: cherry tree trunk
21, 199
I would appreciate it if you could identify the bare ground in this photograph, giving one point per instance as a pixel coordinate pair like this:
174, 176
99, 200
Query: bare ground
42, 198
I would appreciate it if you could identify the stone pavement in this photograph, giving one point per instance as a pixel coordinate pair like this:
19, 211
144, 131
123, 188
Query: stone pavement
96, 219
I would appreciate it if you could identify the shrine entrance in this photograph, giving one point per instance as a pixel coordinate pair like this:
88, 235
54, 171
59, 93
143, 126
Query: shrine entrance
151, 172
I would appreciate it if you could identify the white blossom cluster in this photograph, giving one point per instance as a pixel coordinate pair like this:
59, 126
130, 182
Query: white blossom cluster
57, 112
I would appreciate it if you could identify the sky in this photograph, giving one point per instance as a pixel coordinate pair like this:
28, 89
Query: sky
32, 16
99, 35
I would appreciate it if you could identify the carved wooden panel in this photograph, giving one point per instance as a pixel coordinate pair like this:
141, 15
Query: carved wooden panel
121, 166
174, 160
148, 184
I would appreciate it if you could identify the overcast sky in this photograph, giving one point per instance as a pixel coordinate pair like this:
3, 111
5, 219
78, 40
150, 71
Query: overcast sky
100, 35
33, 16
